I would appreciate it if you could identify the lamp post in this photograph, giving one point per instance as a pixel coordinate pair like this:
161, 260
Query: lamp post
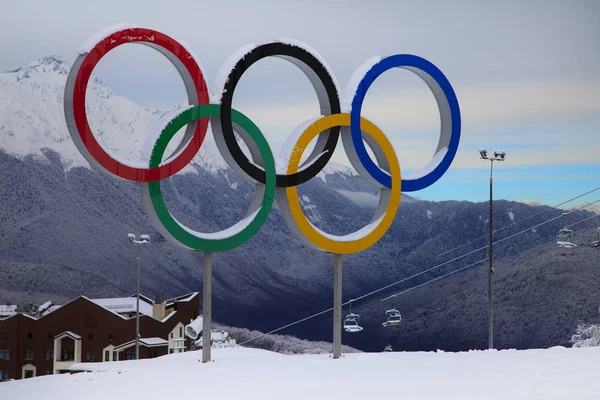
144, 239
498, 156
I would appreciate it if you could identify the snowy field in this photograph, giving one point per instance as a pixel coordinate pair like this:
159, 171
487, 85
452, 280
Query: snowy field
241, 373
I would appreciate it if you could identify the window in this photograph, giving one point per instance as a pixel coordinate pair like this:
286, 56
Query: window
28, 373
4, 335
130, 355
91, 336
49, 354
50, 336
4, 354
171, 335
106, 355
181, 331
68, 355
90, 355
4, 374
29, 335
115, 356
29, 354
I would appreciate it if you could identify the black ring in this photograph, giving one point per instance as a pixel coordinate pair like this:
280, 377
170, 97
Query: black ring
317, 73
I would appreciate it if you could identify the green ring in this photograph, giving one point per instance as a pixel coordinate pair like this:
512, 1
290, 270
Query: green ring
157, 205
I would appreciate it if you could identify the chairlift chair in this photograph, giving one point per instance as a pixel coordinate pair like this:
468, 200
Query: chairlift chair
564, 238
393, 318
351, 322
597, 242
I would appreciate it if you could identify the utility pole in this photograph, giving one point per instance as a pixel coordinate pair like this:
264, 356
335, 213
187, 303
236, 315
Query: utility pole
144, 239
498, 156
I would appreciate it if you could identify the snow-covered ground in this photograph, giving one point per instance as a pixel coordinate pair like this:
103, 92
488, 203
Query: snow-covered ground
242, 373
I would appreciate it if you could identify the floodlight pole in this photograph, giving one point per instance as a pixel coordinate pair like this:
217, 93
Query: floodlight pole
206, 308
144, 239
491, 268
498, 156
337, 306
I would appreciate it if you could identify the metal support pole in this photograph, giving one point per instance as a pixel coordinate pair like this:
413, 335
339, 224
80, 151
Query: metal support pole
491, 268
137, 314
206, 308
337, 306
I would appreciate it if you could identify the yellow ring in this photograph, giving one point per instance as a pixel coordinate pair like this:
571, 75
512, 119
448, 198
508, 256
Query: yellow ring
346, 244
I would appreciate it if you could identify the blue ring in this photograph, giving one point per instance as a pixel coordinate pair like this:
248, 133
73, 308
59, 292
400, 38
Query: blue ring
411, 61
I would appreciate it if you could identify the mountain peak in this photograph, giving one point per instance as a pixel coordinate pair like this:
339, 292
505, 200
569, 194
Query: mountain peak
53, 64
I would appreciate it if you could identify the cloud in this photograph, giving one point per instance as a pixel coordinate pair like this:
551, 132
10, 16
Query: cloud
533, 203
542, 123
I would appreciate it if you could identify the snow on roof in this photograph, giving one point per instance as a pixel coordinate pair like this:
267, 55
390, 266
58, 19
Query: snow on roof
219, 335
45, 306
154, 341
124, 305
8, 309
68, 333
50, 309
185, 297
148, 342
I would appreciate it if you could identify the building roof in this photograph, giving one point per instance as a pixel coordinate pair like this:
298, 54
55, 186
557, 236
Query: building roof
145, 298
68, 333
124, 305
146, 342
184, 298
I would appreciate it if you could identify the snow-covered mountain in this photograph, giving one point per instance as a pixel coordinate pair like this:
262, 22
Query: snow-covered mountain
32, 105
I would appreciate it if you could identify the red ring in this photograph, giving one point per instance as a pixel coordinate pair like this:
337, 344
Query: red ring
79, 113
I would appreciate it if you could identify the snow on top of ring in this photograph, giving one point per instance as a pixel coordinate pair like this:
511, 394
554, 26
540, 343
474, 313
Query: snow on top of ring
316, 54
193, 57
355, 79
225, 70
154, 134
103, 34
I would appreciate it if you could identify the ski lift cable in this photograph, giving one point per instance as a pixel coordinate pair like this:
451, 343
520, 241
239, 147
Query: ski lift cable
417, 274
579, 222
518, 222
553, 219
467, 254
436, 279
508, 237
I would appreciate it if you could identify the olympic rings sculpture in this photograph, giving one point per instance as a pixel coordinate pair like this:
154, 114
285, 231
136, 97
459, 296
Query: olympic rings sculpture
270, 182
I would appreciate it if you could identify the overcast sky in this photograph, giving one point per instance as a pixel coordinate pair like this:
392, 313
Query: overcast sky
526, 73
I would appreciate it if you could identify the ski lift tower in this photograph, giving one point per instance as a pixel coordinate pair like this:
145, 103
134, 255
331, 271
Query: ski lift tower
498, 156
